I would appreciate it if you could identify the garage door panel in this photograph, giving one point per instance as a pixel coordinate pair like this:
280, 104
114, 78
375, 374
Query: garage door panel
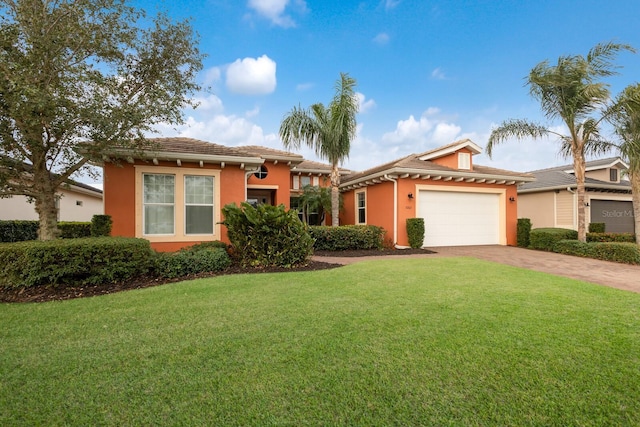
460, 218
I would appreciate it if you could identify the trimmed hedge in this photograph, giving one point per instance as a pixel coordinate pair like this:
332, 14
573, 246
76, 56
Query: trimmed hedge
191, 261
346, 237
523, 232
545, 238
266, 235
628, 253
74, 229
415, 231
101, 225
87, 261
596, 227
18, 231
611, 237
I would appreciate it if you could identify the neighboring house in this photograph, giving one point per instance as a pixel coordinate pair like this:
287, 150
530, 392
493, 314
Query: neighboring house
461, 203
551, 201
172, 194
77, 202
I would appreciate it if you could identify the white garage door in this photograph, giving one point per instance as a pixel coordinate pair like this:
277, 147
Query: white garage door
459, 218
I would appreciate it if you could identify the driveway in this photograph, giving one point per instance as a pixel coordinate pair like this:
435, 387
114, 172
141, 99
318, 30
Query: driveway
612, 274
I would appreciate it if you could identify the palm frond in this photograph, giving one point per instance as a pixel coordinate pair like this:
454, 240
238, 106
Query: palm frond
514, 129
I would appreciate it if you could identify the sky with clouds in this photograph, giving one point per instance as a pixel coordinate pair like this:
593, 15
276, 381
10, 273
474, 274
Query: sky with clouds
428, 72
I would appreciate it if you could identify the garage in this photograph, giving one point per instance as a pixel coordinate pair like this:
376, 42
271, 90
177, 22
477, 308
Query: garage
458, 218
617, 215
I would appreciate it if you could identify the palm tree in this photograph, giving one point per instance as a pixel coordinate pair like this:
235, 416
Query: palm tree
626, 120
327, 130
316, 200
572, 92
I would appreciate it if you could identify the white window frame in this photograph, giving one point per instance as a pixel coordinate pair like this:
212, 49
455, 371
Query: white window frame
359, 208
187, 204
464, 161
179, 235
148, 204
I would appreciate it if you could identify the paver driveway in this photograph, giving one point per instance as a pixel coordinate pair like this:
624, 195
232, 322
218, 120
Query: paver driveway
612, 274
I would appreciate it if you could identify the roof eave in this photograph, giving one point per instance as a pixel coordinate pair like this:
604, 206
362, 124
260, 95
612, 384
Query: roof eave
194, 157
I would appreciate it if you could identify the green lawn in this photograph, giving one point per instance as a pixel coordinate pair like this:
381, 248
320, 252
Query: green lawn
441, 341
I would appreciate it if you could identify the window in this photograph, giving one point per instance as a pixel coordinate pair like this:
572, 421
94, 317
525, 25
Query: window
305, 180
158, 203
361, 208
464, 161
198, 204
613, 175
78, 202
262, 173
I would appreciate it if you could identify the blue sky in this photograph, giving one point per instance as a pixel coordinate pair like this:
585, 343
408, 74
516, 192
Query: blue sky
428, 72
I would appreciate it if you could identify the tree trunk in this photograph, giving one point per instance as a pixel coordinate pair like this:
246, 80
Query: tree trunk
578, 168
634, 178
335, 196
45, 201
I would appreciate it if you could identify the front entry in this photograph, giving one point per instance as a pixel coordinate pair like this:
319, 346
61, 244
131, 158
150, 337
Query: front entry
261, 197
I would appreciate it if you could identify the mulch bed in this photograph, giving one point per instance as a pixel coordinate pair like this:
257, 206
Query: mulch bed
59, 293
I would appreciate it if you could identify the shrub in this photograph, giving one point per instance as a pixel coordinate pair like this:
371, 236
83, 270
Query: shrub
185, 262
88, 261
628, 253
347, 237
415, 231
74, 229
216, 244
267, 235
101, 225
611, 237
524, 232
545, 238
572, 247
596, 227
18, 231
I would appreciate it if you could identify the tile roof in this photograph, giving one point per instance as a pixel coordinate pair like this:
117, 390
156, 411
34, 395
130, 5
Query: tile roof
194, 146
269, 153
317, 167
412, 164
557, 177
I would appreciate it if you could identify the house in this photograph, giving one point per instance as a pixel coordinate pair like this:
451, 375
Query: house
551, 200
76, 202
173, 192
462, 203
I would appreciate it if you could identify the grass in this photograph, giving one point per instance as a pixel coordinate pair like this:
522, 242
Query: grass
443, 341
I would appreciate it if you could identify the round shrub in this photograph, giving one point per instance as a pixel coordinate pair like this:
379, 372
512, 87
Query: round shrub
415, 231
545, 238
266, 236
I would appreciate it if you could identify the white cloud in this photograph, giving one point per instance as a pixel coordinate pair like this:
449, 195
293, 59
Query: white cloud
209, 103
381, 39
252, 113
364, 105
304, 86
390, 4
212, 75
274, 11
251, 76
438, 74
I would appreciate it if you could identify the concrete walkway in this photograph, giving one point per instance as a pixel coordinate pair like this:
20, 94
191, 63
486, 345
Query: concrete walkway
612, 274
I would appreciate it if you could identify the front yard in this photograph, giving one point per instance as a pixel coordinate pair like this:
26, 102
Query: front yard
396, 342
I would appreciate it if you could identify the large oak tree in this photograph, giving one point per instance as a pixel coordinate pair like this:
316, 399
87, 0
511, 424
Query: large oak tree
73, 71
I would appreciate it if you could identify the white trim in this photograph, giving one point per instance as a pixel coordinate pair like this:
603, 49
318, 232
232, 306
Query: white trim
467, 143
357, 206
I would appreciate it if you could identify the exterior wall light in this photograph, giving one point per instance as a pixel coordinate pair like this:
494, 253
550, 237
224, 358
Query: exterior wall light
512, 199
410, 195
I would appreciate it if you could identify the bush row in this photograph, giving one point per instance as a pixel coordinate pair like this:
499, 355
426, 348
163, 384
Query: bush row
611, 237
545, 238
628, 253
94, 261
20, 231
347, 237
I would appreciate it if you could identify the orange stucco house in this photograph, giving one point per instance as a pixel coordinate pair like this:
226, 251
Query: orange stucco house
172, 194
462, 203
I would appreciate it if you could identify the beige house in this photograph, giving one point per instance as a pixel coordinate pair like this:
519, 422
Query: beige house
551, 200
78, 202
